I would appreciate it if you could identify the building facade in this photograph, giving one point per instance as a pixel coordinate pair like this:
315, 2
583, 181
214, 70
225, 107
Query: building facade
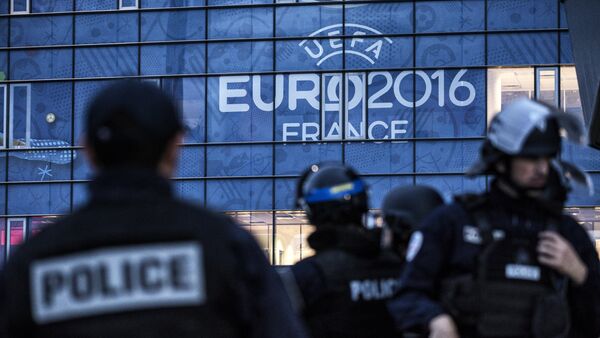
400, 90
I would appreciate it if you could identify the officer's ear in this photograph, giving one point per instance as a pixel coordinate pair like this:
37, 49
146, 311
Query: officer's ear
89, 152
168, 162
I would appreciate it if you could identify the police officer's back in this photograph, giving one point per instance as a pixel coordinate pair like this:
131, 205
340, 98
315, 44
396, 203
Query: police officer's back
507, 263
135, 261
343, 288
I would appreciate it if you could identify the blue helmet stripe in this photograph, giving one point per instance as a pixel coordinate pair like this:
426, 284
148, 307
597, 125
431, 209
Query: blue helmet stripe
335, 192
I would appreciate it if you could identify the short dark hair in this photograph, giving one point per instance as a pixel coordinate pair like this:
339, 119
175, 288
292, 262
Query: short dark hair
130, 123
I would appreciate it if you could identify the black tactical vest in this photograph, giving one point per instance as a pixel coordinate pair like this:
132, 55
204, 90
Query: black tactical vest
355, 295
510, 293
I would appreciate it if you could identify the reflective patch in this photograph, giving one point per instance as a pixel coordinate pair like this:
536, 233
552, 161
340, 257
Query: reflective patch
523, 272
471, 234
416, 241
117, 279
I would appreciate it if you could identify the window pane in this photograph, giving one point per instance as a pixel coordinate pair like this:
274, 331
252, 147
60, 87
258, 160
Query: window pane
242, 160
506, 85
446, 156
20, 116
92, 5
180, 25
3, 115
293, 159
106, 61
383, 18
80, 194
190, 191
102, 28
285, 193
566, 49
240, 23
240, 108
455, 109
171, 3
390, 105
309, 54
173, 59
290, 237
438, 51
84, 92
19, 6
298, 116
377, 52
41, 64
569, 92
16, 228
39, 165
450, 16
190, 162
3, 31
378, 186
519, 14
240, 194
42, 6
41, 30
2, 240
260, 225
523, 49
380, 158
305, 20
452, 185
37, 224
129, 3
547, 85
584, 199
188, 94
240, 57
38, 199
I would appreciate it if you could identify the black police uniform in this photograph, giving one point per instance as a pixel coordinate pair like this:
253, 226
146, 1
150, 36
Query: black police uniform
344, 286
450, 246
137, 262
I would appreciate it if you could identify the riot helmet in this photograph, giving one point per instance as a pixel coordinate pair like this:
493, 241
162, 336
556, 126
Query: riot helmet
332, 194
525, 128
404, 208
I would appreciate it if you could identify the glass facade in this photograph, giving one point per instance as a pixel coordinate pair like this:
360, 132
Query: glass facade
400, 90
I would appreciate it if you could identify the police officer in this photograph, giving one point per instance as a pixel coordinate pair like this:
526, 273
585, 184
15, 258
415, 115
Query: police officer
403, 209
342, 289
507, 263
135, 261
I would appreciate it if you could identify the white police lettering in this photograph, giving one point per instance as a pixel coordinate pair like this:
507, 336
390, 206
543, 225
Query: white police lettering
117, 279
414, 245
523, 272
373, 289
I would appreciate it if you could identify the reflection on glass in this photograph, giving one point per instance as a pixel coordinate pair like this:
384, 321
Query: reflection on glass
16, 228
260, 224
569, 92
506, 85
547, 85
37, 224
290, 238
589, 218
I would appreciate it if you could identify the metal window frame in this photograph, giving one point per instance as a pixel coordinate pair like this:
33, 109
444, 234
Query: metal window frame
4, 115
26, 11
11, 113
125, 8
538, 86
10, 220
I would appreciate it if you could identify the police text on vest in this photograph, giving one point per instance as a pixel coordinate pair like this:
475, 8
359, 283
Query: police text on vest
373, 289
117, 279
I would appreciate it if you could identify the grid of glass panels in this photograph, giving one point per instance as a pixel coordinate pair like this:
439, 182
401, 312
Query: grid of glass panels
400, 90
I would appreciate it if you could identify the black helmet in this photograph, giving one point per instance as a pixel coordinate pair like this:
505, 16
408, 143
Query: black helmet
525, 128
404, 208
332, 194
131, 123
